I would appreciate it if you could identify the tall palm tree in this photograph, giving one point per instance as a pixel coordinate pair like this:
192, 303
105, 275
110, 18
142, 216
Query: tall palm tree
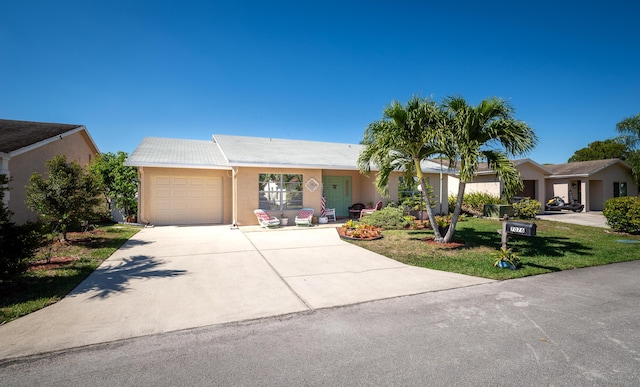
404, 137
487, 131
630, 130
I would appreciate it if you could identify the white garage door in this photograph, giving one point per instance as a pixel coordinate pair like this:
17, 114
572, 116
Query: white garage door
186, 200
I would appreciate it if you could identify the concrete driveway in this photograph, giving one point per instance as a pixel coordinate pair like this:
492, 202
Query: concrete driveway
591, 218
172, 278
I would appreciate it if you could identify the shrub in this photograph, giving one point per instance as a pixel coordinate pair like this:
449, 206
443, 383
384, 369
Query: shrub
473, 203
17, 243
623, 214
526, 208
389, 218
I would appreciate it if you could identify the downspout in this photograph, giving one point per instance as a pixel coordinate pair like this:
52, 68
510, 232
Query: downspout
141, 194
234, 197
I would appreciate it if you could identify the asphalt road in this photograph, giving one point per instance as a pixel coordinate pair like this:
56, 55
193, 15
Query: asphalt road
570, 328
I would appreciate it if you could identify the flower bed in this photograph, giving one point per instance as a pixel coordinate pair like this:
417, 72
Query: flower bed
358, 231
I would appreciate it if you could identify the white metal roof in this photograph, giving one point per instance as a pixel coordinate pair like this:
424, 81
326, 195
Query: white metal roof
177, 153
226, 151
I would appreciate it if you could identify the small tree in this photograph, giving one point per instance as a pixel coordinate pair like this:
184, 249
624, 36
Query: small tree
67, 197
119, 182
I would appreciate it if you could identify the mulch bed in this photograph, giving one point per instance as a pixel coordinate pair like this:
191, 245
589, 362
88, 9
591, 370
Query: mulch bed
55, 263
450, 245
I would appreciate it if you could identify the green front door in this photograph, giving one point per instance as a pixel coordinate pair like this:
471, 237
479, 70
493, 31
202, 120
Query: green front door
337, 190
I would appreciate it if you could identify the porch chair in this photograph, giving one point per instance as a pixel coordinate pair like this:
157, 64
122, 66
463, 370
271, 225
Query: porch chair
265, 220
330, 213
304, 217
368, 211
355, 210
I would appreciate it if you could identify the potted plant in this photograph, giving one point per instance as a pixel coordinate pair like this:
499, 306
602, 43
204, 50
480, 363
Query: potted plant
284, 219
507, 259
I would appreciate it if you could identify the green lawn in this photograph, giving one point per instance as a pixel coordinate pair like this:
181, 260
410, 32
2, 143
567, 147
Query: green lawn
44, 284
557, 246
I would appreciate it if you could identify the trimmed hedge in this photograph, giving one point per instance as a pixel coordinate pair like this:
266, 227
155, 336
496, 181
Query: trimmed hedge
389, 218
623, 214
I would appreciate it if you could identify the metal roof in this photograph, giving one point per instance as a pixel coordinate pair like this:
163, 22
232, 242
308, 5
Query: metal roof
177, 153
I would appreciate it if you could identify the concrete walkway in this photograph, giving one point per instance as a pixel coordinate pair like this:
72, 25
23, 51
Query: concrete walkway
172, 278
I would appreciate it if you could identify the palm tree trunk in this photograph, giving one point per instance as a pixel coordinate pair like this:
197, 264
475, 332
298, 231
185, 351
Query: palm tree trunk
456, 212
430, 215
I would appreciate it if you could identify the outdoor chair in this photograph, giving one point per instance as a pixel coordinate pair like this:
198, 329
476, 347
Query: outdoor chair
304, 217
355, 210
265, 220
368, 211
330, 213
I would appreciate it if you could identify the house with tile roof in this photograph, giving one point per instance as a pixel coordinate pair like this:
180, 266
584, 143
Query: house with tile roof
25, 147
223, 180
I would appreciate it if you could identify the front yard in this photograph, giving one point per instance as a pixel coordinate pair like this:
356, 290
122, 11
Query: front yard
557, 246
71, 262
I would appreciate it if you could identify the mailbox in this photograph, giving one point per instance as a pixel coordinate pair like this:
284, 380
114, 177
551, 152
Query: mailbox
520, 228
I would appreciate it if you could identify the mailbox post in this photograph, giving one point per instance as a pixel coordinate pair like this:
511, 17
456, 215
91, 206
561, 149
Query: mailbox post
516, 228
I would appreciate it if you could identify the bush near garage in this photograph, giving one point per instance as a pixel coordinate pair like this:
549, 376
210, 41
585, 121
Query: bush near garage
526, 208
623, 214
473, 203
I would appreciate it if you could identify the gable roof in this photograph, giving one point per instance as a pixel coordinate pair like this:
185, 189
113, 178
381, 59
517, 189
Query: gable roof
19, 135
177, 153
227, 151
582, 168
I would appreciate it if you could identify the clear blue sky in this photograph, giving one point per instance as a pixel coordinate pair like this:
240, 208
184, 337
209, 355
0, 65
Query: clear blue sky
317, 70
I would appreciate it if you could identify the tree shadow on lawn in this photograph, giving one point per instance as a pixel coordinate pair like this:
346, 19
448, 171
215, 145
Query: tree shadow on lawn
107, 280
547, 246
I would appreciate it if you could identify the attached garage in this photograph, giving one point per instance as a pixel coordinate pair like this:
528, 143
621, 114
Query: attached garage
187, 199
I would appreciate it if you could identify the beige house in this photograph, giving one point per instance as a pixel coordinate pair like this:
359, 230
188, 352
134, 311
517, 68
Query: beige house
224, 180
590, 182
26, 146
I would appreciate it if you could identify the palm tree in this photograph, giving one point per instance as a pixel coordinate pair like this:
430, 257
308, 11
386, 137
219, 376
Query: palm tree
487, 131
630, 130
404, 137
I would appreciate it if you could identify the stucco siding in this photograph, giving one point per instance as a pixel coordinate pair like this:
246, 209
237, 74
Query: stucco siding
76, 146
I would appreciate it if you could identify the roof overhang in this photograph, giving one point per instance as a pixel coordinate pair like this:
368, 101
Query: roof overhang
54, 139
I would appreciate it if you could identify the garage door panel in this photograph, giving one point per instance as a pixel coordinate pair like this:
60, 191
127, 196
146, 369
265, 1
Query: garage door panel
187, 200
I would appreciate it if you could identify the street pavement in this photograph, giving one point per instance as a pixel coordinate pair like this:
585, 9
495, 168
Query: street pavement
569, 328
174, 278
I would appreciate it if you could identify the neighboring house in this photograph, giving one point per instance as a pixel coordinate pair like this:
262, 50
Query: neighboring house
532, 174
591, 182
225, 179
26, 146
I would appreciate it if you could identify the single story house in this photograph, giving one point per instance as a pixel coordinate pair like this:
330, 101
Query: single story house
532, 174
26, 146
223, 180
589, 182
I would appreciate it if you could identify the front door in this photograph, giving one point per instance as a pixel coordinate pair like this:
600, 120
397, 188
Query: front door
337, 191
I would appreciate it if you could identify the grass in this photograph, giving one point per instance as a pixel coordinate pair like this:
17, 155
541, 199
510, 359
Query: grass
556, 247
45, 284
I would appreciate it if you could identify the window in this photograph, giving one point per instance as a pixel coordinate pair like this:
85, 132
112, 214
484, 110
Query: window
280, 191
619, 189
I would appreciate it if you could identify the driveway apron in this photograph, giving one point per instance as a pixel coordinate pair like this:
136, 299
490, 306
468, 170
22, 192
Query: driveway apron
171, 278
